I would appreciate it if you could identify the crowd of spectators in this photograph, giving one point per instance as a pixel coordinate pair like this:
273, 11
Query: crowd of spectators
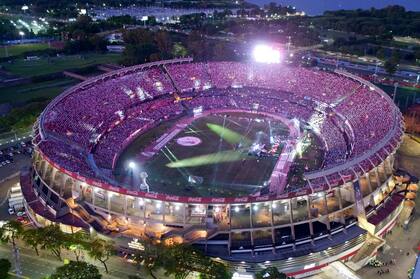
102, 117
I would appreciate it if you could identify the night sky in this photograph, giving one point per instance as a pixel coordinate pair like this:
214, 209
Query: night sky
314, 7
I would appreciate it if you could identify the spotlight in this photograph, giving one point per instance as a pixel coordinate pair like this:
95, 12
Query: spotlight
267, 54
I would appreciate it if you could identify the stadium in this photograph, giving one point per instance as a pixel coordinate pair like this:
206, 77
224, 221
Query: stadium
256, 164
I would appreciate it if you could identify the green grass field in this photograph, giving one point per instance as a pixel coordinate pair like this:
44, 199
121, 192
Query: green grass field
14, 50
28, 92
221, 160
58, 64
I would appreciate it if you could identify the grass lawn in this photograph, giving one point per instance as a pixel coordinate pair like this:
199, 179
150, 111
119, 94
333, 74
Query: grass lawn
58, 64
220, 158
28, 92
14, 50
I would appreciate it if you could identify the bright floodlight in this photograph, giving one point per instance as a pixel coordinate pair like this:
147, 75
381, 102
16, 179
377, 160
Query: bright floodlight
131, 165
21, 33
266, 54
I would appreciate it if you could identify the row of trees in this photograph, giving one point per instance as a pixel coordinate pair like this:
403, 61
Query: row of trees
22, 117
52, 239
78, 269
177, 260
146, 46
374, 22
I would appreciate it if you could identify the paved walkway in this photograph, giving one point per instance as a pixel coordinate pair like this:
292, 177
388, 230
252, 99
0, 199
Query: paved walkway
401, 248
401, 244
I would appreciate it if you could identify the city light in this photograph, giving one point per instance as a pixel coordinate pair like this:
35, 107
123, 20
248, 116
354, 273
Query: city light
267, 54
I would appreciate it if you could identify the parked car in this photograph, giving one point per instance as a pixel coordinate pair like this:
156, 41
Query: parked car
21, 214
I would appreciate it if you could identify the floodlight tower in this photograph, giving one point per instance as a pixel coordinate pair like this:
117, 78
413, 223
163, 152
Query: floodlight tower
132, 165
131, 168
22, 35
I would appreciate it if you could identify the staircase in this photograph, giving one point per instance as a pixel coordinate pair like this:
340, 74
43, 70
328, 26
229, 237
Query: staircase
95, 220
198, 235
191, 234
165, 71
366, 252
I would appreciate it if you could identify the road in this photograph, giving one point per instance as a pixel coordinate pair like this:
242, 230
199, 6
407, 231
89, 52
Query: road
38, 267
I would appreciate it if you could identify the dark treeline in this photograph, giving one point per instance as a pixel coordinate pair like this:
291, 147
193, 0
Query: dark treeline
392, 20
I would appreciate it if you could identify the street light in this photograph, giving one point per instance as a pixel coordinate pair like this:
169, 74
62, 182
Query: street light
395, 92
21, 34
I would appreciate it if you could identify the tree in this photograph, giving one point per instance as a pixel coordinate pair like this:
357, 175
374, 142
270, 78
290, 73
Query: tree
53, 239
198, 46
98, 43
391, 66
396, 56
77, 242
32, 238
120, 21
137, 54
178, 50
9, 233
180, 260
163, 43
76, 270
151, 257
270, 273
83, 28
138, 36
5, 266
101, 250
417, 53
380, 53
222, 52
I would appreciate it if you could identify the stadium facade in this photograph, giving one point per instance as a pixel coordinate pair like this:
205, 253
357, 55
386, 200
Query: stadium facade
298, 222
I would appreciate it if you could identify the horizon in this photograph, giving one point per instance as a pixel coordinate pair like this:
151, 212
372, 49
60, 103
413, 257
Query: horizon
319, 7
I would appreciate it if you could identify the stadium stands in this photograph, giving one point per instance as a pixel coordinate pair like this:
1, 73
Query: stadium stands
102, 117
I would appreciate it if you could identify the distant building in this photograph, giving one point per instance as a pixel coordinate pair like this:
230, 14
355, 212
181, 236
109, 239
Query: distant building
116, 49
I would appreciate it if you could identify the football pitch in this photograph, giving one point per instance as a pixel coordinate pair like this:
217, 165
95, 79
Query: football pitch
218, 155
